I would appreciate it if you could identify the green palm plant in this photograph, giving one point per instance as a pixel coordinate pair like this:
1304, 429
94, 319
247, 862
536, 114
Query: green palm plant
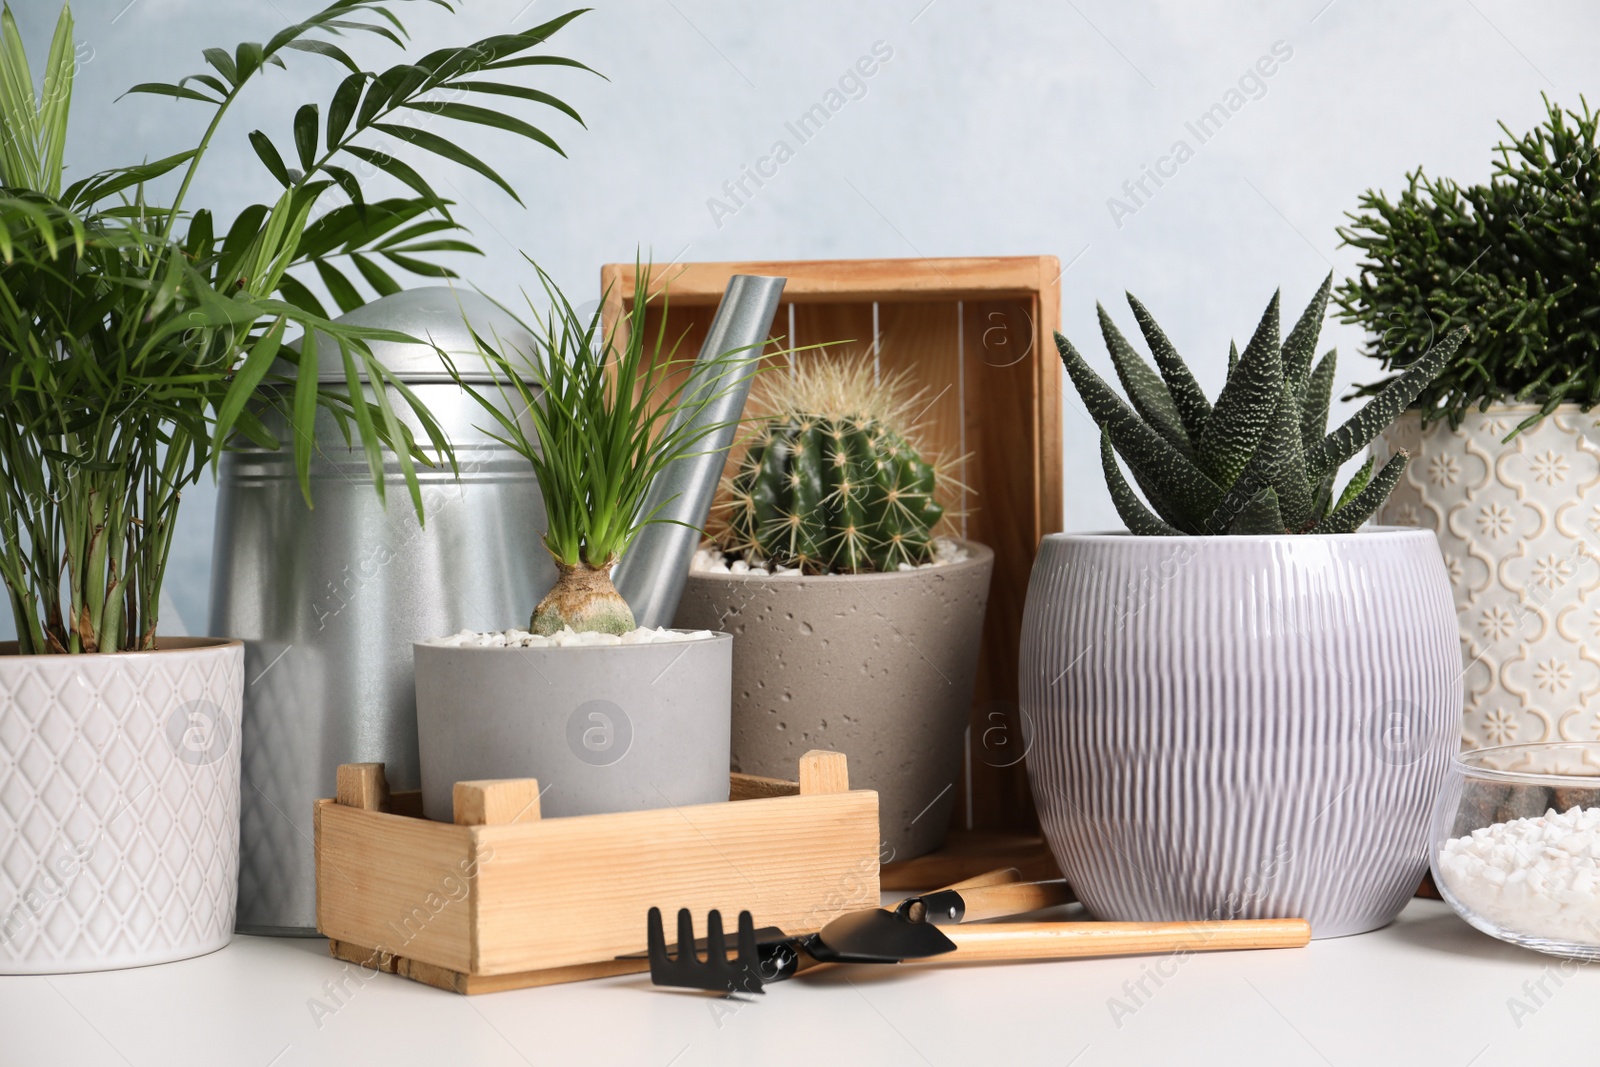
1260, 460
138, 339
606, 420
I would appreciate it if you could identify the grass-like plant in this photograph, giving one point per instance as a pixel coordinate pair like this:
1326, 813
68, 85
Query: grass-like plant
605, 421
138, 337
1514, 257
1260, 460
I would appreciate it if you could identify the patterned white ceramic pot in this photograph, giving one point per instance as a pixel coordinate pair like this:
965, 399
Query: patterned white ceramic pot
1519, 526
1241, 727
119, 805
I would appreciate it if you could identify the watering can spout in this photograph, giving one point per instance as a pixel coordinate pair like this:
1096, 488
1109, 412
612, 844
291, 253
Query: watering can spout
652, 572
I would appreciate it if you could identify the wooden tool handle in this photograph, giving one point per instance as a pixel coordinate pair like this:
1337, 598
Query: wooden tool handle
994, 901
1055, 941
1003, 876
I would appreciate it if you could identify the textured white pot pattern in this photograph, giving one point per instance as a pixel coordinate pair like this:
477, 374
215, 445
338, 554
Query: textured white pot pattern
1519, 526
119, 806
1241, 726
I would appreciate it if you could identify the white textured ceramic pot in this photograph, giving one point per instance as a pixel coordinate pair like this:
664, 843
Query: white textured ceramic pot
1242, 727
1519, 525
881, 667
603, 728
119, 805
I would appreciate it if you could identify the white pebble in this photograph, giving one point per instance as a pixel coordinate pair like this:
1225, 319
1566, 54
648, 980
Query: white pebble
566, 638
709, 559
1536, 877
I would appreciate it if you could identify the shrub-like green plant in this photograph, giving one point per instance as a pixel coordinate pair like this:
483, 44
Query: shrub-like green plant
139, 336
831, 481
1514, 257
1259, 460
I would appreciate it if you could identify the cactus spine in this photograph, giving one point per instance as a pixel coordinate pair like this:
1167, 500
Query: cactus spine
831, 481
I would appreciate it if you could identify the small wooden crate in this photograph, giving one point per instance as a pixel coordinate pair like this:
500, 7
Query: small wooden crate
977, 333
501, 899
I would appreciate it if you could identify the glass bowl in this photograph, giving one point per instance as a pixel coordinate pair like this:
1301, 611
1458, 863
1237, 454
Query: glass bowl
1515, 844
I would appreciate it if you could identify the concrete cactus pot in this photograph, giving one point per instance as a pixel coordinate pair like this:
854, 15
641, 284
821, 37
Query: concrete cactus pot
1241, 727
119, 805
603, 728
880, 667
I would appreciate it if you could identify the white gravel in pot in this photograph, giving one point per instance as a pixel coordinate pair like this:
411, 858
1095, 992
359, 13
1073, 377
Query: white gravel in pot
710, 559
567, 638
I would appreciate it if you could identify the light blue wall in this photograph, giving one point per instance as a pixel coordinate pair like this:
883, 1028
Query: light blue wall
993, 129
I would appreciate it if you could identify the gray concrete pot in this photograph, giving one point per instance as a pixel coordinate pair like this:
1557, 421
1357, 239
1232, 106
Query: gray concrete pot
603, 728
880, 667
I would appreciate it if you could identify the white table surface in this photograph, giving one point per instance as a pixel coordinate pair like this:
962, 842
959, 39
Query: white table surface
1428, 991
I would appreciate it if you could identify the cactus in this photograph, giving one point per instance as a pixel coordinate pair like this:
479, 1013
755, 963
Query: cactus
832, 480
1259, 460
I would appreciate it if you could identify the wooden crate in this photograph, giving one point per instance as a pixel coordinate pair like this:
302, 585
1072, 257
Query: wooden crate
501, 899
976, 332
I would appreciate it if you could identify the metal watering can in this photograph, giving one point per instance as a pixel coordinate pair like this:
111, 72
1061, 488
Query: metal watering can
329, 600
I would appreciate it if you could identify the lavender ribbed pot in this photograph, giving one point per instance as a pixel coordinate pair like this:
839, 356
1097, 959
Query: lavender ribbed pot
1241, 727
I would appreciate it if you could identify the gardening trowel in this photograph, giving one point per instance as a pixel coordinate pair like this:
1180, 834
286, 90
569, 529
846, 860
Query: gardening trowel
910, 934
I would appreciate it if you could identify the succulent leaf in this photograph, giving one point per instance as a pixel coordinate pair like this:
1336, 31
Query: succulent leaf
1278, 464
1152, 493
1245, 407
1260, 515
1144, 386
1321, 497
1357, 483
1359, 509
1135, 515
1358, 431
1194, 408
1301, 344
1183, 487
1315, 401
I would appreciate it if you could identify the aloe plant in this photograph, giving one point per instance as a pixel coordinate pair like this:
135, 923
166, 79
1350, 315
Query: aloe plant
1259, 460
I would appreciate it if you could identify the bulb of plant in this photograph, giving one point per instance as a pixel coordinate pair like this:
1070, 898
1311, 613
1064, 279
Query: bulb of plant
605, 425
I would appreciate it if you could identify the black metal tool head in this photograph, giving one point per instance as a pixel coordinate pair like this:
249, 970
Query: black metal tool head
876, 936
716, 972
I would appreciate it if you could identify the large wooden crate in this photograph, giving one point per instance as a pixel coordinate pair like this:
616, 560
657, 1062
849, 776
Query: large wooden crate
977, 333
502, 899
